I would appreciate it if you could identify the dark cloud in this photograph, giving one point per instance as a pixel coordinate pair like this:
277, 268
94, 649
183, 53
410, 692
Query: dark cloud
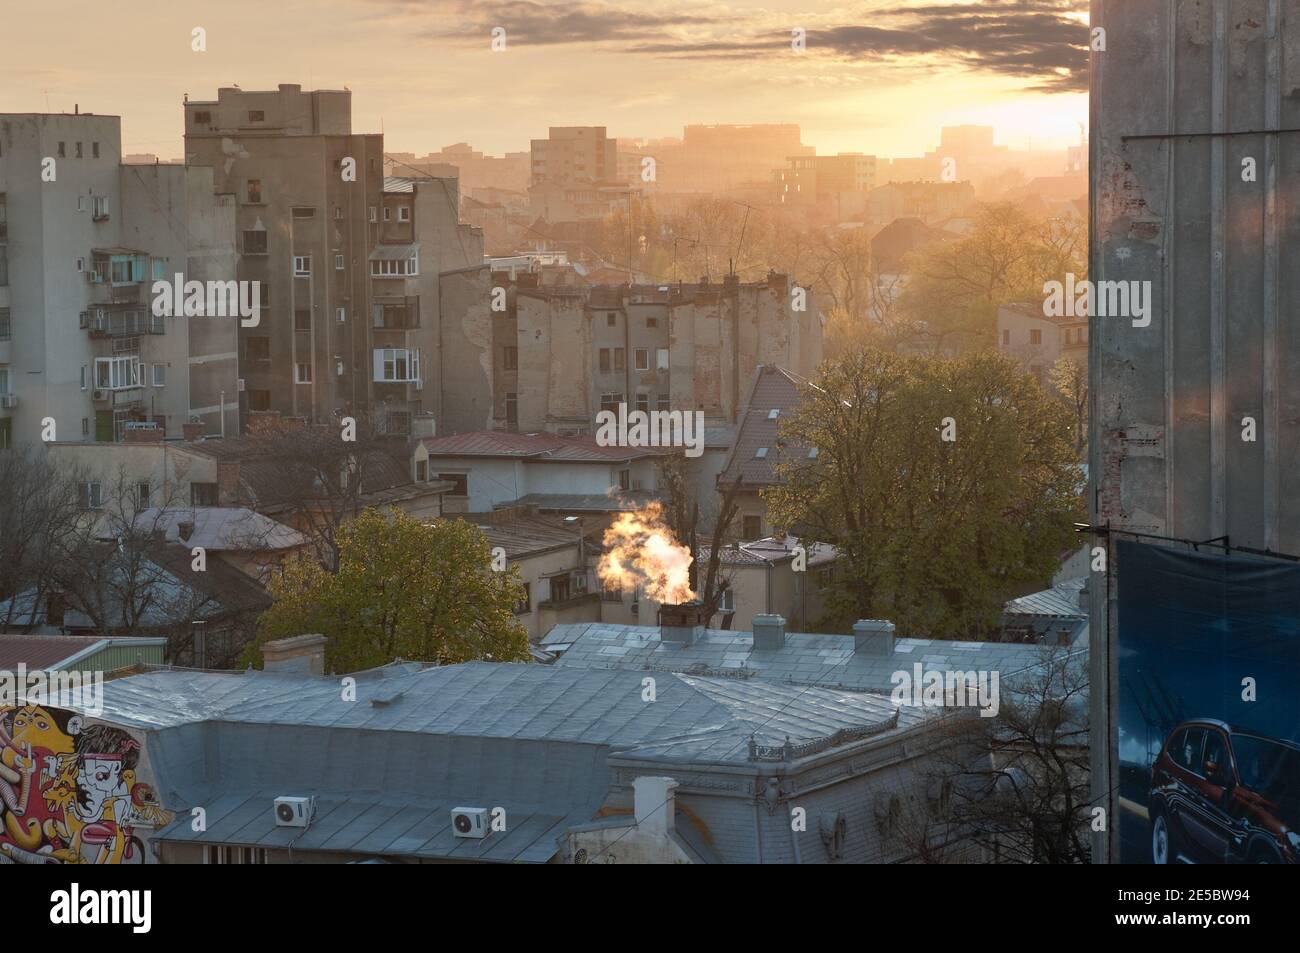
1032, 40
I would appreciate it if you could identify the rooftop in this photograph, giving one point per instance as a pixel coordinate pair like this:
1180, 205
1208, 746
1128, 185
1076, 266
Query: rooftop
219, 528
773, 389
534, 447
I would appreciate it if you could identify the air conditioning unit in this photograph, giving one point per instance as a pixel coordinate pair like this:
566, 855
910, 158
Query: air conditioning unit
240, 385
469, 822
293, 811
99, 394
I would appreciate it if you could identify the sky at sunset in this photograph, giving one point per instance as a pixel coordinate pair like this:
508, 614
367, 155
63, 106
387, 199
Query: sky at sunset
878, 77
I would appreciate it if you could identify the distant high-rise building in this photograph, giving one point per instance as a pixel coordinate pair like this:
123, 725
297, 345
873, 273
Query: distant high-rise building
574, 154
82, 240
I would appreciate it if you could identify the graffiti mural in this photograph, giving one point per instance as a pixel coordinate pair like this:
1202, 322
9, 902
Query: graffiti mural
69, 792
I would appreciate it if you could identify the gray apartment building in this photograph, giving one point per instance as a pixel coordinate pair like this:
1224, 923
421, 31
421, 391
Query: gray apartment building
553, 356
82, 239
348, 260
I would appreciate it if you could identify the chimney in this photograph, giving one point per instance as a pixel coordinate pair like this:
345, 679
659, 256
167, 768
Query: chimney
873, 637
654, 804
193, 430
769, 633
683, 623
144, 435
302, 654
186, 529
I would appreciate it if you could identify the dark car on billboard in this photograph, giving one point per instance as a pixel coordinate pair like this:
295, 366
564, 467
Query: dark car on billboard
1221, 794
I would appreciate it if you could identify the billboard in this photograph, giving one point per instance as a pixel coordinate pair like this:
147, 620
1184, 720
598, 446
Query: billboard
1209, 707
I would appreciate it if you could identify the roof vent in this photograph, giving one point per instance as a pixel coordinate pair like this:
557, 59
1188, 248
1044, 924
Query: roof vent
873, 637
769, 632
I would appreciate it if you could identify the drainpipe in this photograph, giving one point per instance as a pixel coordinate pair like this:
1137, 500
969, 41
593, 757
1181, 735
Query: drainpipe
221, 411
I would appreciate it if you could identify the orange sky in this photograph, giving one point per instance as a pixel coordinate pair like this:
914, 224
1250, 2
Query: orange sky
877, 77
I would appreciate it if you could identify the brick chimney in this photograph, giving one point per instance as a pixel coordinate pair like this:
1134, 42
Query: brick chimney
769, 632
193, 430
873, 637
301, 654
683, 623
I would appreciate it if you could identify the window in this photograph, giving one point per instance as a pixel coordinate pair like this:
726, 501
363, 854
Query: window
81, 203
652, 322
338, 213
1214, 762
92, 496
642, 402
1186, 748
625, 479
604, 360
461, 481
611, 592
641, 359
1006, 338
421, 471
512, 409
510, 358
221, 854
6, 324
774, 413
256, 115
254, 191
94, 149
62, 151
374, 214
404, 213
85, 426
395, 268
99, 207
388, 214
760, 453
663, 403
304, 212
160, 375
302, 320
302, 373
258, 349
84, 369
159, 269
620, 359
338, 262
302, 266
255, 242
341, 314
259, 400
728, 603
1035, 336
611, 318
202, 117
752, 527
661, 359
397, 364
525, 604
610, 402
203, 494
142, 495
117, 373
79, 155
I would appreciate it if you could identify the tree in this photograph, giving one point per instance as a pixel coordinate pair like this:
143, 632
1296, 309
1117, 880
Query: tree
1018, 783
39, 510
403, 589
1070, 379
943, 485
686, 520
955, 289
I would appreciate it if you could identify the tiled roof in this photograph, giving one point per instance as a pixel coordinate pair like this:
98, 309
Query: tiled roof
41, 651
773, 388
539, 447
1060, 601
530, 535
219, 528
805, 659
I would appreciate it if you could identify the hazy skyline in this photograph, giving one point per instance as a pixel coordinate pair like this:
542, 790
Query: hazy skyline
879, 77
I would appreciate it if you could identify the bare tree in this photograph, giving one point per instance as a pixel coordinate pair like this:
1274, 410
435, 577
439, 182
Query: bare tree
1016, 785
38, 511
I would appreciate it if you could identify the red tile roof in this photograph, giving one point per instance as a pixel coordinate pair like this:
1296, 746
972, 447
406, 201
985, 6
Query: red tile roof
41, 651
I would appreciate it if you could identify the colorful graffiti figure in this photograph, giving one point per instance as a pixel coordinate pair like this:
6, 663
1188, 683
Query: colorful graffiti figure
69, 792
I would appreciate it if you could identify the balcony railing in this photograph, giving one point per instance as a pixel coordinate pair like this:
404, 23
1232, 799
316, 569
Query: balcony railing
119, 324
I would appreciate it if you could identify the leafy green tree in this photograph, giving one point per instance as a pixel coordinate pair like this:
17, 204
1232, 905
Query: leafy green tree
933, 532
1070, 378
404, 589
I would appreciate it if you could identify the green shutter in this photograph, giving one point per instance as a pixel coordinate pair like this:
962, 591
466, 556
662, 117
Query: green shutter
104, 426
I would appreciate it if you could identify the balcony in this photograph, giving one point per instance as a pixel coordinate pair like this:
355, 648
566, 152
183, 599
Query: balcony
396, 313
119, 324
122, 397
8, 401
